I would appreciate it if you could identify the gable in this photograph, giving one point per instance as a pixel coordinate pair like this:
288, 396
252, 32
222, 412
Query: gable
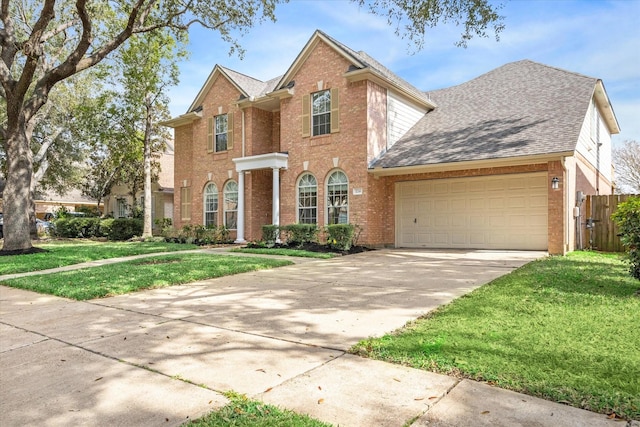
520, 109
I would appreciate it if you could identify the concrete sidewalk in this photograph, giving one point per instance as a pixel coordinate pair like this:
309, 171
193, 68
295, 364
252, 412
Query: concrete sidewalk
164, 356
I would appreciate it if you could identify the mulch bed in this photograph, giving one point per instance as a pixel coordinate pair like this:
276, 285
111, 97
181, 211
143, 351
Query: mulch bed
316, 247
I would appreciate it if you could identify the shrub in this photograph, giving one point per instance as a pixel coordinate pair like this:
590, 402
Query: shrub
106, 226
197, 234
71, 227
270, 234
125, 228
340, 236
299, 234
627, 217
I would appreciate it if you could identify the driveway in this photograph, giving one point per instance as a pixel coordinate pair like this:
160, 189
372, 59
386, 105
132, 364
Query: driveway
137, 359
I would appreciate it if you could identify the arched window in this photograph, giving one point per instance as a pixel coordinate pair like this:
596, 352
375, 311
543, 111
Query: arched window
210, 205
231, 205
337, 198
307, 199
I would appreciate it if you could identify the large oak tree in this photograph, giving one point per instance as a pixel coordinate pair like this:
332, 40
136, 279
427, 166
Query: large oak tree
46, 42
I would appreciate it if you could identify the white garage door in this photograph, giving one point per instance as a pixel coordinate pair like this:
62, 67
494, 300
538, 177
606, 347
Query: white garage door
498, 212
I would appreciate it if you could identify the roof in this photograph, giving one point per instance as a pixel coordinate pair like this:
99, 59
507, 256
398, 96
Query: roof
362, 65
250, 86
523, 108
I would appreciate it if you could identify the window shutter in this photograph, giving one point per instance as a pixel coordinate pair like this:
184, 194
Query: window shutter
306, 124
229, 131
210, 135
335, 111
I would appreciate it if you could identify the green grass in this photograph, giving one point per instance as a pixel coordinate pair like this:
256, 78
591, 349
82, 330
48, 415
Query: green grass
286, 252
68, 252
130, 276
241, 412
561, 328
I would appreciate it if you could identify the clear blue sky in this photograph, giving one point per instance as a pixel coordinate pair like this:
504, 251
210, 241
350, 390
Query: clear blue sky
596, 38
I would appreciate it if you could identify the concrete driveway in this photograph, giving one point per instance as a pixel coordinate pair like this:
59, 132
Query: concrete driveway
162, 357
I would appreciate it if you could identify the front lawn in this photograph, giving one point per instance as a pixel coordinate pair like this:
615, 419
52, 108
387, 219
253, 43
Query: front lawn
561, 328
67, 252
130, 276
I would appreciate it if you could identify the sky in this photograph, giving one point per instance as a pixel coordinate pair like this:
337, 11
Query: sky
596, 38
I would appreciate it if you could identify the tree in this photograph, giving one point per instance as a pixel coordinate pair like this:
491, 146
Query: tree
47, 42
148, 69
626, 160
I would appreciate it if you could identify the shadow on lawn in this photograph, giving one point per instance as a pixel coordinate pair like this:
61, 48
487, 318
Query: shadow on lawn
587, 277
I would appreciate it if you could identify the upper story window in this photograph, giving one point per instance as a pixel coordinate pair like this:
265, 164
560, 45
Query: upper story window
211, 205
220, 133
307, 199
321, 112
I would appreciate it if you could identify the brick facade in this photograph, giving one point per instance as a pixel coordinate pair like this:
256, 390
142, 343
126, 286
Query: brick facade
361, 138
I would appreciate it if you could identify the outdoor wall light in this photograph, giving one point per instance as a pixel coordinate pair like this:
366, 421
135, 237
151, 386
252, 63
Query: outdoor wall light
555, 183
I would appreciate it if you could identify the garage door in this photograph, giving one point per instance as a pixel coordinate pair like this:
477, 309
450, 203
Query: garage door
500, 212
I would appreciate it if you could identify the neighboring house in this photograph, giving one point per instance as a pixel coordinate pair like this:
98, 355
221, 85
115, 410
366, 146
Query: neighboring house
494, 163
119, 202
51, 202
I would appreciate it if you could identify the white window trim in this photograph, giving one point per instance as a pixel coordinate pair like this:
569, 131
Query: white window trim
298, 196
204, 204
224, 196
326, 196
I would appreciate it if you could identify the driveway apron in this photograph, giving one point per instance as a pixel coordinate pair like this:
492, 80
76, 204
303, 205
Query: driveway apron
163, 356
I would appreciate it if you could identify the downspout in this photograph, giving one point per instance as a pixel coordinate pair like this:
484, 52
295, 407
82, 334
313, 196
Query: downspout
568, 212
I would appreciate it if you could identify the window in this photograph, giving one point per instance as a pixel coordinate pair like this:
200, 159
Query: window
337, 198
321, 112
122, 208
231, 205
220, 133
307, 199
185, 203
211, 205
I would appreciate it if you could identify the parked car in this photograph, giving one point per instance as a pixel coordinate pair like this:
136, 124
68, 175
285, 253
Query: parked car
52, 216
43, 227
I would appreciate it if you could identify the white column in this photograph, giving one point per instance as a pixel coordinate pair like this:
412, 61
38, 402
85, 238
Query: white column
275, 217
240, 226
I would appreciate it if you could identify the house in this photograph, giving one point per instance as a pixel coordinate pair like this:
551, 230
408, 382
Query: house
49, 202
494, 163
119, 202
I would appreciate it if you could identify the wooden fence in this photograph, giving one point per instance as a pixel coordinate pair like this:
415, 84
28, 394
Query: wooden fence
603, 236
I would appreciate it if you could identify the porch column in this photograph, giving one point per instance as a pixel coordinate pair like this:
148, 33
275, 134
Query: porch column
275, 216
240, 226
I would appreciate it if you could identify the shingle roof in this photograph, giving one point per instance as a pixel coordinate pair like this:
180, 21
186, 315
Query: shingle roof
250, 85
368, 61
520, 109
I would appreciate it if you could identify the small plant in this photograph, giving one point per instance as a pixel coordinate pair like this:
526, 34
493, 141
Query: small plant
627, 218
270, 234
340, 236
299, 234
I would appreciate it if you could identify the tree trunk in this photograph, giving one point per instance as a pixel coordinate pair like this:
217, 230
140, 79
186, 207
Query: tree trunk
17, 195
148, 226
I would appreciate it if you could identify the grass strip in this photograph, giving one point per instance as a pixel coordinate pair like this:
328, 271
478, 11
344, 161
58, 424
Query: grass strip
562, 328
69, 252
131, 276
286, 252
241, 412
